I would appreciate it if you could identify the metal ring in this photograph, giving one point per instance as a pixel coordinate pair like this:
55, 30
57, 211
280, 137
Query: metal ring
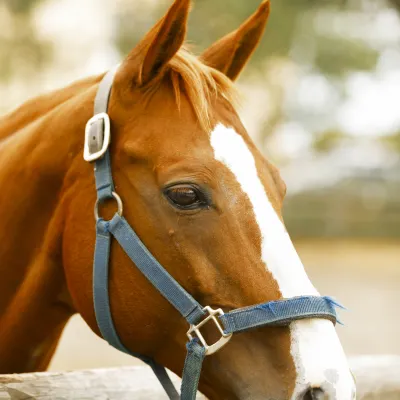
119, 204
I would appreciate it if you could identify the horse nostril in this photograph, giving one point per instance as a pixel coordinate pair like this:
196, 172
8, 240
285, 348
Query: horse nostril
314, 394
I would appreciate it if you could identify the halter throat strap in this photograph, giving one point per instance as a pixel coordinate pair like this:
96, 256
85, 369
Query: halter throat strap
276, 313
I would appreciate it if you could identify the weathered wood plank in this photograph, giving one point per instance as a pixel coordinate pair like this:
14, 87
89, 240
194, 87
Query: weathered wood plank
378, 378
104, 384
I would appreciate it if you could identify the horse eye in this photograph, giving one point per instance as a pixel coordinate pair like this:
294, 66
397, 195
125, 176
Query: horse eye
185, 197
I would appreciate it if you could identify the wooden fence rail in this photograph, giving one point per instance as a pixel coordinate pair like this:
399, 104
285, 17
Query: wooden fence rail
378, 378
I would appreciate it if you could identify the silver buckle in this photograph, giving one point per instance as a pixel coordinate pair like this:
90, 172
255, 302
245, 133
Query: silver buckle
119, 204
225, 337
87, 155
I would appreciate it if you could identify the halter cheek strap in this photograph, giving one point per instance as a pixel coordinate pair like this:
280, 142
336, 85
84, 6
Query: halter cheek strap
275, 313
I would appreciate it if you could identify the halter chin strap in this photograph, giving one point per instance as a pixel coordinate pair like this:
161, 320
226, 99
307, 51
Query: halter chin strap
275, 313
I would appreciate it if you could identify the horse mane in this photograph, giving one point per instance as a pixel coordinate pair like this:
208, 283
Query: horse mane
185, 71
200, 83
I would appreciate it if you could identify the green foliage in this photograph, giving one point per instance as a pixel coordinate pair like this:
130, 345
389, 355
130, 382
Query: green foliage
396, 4
327, 141
339, 56
22, 7
393, 141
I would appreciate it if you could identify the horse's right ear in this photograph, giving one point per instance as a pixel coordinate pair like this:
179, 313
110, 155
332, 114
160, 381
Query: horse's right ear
147, 59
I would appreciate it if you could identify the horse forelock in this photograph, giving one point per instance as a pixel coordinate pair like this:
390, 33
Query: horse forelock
199, 83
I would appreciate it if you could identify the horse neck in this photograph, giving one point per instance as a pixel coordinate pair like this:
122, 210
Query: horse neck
36, 153
39, 140
34, 160
38, 107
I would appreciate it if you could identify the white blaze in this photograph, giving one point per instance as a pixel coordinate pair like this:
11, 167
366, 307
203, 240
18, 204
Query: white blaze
315, 347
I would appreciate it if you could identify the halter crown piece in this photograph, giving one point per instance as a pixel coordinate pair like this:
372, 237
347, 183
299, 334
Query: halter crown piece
274, 313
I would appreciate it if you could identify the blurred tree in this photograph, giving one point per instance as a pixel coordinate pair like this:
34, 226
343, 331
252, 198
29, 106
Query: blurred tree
327, 140
22, 52
396, 4
393, 141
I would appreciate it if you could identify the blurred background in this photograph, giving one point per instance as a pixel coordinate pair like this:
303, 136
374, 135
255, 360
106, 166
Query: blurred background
321, 98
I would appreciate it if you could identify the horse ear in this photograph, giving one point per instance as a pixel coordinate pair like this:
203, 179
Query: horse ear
160, 44
231, 53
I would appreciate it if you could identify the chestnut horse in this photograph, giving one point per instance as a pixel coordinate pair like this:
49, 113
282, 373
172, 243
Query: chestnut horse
198, 193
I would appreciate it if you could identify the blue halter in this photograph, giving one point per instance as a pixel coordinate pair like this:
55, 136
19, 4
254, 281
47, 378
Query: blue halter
274, 313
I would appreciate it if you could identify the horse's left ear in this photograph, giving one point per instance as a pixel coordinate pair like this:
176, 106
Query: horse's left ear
231, 53
154, 51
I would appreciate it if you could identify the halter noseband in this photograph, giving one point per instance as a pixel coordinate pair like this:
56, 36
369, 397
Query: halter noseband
274, 313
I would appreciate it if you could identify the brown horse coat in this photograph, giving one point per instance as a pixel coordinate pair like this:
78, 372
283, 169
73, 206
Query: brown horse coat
170, 112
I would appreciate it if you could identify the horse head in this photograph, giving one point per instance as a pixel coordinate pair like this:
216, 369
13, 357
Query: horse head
208, 206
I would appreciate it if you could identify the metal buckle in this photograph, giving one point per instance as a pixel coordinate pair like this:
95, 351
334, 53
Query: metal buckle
119, 204
87, 155
225, 337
